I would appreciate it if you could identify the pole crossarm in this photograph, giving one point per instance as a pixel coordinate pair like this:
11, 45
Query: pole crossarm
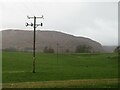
34, 25
35, 17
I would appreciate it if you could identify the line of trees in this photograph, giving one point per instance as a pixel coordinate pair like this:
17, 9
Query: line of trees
78, 49
10, 49
83, 49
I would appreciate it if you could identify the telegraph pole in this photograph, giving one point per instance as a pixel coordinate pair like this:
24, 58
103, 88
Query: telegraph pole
34, 25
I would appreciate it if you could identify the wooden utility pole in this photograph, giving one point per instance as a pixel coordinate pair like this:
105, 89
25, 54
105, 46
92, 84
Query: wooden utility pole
34, 25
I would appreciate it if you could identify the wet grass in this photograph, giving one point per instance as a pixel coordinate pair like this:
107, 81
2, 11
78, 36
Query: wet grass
17, 67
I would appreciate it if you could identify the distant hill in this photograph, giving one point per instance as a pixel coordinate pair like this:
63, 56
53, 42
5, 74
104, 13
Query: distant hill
109, 49
22, 40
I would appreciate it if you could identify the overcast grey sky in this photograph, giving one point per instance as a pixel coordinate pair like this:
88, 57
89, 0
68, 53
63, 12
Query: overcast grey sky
95, 20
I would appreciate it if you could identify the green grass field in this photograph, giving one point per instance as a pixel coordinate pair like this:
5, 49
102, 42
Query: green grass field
68, 70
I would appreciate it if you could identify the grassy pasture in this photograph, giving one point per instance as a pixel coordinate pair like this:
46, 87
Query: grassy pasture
66, 70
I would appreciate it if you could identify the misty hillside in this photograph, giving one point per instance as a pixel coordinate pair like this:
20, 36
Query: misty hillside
23, 41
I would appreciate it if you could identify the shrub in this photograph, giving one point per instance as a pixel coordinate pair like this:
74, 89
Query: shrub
67, 50
117, 49
48, 50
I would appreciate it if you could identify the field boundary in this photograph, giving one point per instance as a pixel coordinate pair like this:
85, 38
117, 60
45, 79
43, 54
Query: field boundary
65, 84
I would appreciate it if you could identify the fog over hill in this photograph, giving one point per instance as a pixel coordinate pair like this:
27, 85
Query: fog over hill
22, 40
